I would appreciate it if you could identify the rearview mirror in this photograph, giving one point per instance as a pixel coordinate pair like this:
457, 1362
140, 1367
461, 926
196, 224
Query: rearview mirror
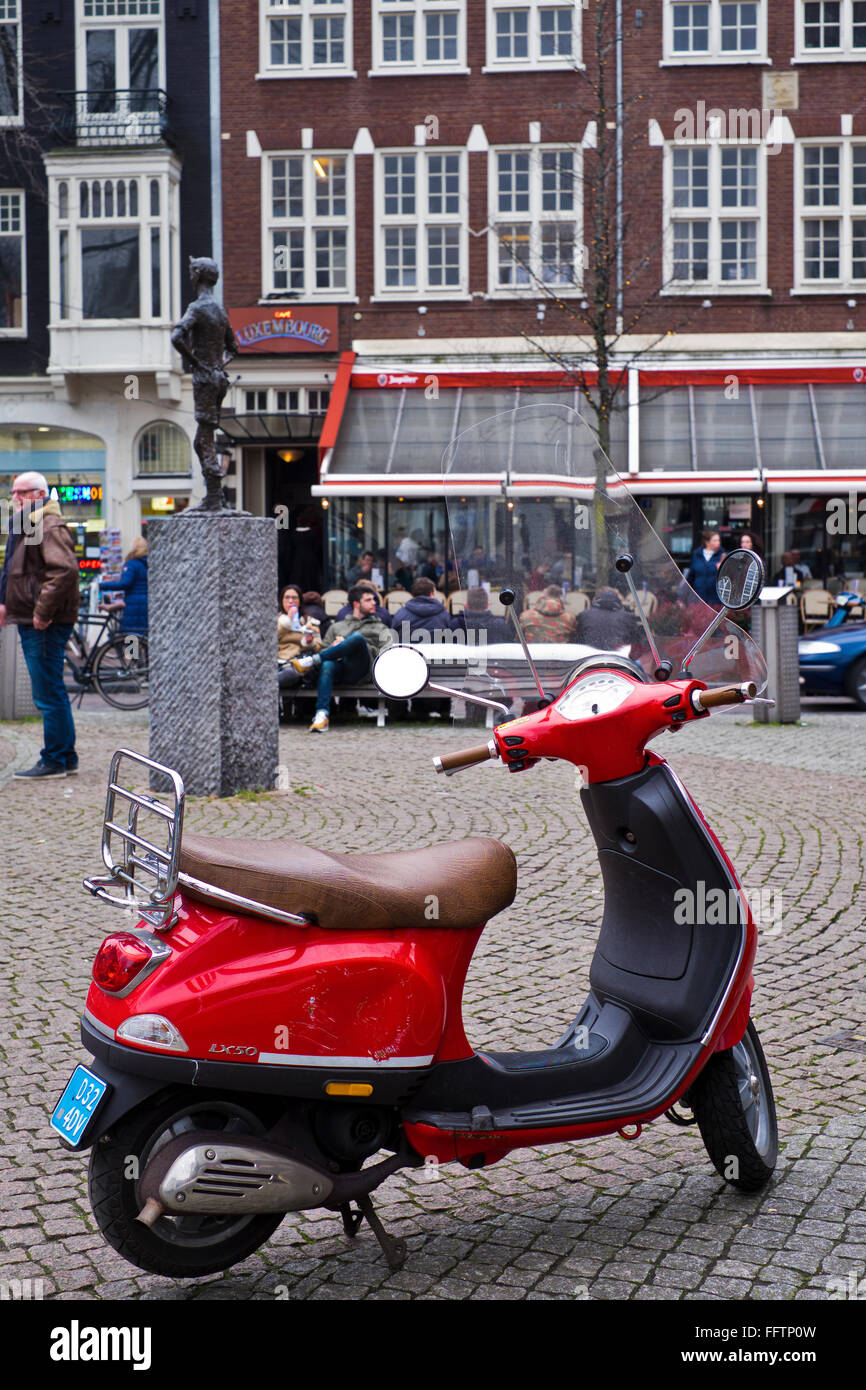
401, 672
740, 579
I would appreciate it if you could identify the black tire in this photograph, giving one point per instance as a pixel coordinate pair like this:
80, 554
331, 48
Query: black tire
857, 683
121, 673
733, 1104
181, 1247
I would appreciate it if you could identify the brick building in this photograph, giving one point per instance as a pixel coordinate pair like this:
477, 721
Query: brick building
419, 175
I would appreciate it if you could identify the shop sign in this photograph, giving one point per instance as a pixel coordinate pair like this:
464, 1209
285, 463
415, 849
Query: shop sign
80, 492
298, 328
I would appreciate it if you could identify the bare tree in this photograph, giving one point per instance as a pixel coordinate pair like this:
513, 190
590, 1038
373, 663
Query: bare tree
618, 266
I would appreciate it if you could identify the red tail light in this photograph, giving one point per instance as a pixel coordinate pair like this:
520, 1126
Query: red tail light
120, 958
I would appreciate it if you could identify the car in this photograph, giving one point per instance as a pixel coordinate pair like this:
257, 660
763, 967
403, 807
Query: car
833, 661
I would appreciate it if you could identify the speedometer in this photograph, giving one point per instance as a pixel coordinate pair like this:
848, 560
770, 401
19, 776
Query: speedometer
595, 694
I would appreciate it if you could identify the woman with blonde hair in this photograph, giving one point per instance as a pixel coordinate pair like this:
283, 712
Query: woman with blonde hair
132, 584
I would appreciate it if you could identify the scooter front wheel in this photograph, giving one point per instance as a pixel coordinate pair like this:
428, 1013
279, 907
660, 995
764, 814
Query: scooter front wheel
181, 1247
733, 1103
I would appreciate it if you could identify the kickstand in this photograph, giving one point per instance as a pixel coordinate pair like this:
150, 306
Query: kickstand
351, 1220
394, 1249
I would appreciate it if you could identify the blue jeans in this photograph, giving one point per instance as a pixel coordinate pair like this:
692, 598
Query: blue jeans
43, 652
346, 663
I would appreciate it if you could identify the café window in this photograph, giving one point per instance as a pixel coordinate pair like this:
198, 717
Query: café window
162, 448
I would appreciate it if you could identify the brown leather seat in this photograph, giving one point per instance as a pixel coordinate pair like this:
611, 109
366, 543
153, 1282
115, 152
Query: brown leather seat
471, 879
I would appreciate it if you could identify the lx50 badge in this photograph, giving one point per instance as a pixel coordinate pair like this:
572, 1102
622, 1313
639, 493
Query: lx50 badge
233, 1049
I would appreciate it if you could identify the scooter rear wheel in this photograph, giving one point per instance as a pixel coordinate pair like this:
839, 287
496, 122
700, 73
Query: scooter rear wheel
181, 1247
733, 1104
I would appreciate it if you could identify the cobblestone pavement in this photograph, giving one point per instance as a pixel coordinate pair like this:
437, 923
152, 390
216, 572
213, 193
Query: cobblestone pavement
598, 1220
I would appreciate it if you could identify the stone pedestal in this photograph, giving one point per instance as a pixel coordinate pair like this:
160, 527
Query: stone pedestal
214, 712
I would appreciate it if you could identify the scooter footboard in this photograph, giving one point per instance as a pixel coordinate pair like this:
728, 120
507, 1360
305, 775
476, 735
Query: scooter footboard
676, 927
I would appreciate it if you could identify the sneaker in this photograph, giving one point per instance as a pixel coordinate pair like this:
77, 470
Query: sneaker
41, 770
320, 722
304, 663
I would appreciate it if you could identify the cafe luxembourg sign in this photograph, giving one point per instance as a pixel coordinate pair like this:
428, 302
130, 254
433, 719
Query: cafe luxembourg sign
285, 329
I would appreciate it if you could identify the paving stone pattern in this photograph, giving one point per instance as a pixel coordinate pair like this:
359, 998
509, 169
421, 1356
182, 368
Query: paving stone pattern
599, 1220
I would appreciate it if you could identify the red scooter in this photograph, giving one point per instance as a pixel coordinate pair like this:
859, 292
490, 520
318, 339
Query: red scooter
283, 1016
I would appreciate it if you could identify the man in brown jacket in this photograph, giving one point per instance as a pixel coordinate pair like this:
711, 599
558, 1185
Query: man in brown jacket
39, 594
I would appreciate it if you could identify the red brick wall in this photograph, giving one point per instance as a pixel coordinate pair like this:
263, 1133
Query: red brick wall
505, 104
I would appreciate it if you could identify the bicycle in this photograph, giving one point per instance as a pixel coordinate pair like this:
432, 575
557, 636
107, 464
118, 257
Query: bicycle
113, 663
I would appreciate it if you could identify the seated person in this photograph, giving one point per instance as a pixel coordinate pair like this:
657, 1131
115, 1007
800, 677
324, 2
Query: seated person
297, 633
606, 624
314, 608
363, 569
381, 612
549, 620
350, 649
422, 615
477, 617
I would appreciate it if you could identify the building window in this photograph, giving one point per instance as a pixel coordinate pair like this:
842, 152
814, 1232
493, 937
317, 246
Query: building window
421, 219
10, 62
317, 402
288, 402
531, 34
714, 211
427, 34
535, 213
120, 58
831, 215
163, 448
12, 261
112, 245
308, 247
715, 31
303, 38
834, 31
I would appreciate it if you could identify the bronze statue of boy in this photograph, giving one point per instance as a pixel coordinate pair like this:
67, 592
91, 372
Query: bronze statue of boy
206, 343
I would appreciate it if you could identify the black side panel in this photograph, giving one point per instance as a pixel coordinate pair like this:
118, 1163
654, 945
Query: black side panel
669, 973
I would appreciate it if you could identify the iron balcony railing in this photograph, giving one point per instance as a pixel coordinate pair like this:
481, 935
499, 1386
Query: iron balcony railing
139, 117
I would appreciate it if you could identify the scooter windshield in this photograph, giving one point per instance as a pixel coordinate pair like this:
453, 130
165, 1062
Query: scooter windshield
535, 506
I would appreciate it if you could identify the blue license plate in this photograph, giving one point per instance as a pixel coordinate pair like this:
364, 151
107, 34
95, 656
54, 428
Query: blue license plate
77, 1106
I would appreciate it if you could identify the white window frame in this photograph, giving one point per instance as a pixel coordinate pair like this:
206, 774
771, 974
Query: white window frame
844, 212
309, 223
845, 53
307, 11
534, 60
535, 217
302, 387
121, 23
22, 233
421, 220
714, 55
10, 13
715, 214
165, 170
418, 10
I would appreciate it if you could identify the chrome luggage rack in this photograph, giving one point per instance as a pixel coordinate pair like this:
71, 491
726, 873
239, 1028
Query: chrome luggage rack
147, 872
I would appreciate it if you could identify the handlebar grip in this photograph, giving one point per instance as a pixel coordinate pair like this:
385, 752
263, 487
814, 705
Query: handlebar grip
726, 695
466, 757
